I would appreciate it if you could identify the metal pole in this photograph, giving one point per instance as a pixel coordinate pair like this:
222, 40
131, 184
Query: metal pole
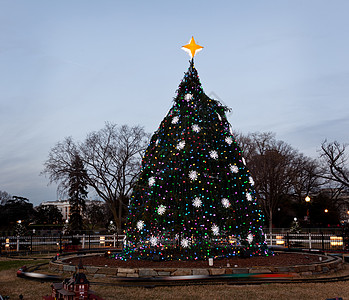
60, 243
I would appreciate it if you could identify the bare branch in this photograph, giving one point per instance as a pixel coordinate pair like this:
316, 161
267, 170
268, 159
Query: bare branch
334, 158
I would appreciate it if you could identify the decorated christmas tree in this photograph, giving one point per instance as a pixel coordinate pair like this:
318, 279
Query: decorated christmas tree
195, 197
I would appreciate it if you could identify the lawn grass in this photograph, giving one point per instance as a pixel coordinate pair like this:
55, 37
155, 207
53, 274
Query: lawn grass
11, 285
7, 264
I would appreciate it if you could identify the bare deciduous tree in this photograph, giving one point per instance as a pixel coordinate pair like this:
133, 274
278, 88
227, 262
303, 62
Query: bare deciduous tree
4, 197
59, 163
111, 157
308, 180
279, 171
334, 158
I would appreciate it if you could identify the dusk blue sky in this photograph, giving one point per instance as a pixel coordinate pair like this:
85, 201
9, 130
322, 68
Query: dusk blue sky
67, 67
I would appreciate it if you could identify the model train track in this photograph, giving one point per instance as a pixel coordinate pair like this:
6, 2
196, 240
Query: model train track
150, 282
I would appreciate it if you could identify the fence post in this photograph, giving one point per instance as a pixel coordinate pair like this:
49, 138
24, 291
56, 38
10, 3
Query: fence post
288, 240
17, 243
89, 241
309, 240
31, 243
114, 240
322, 241
83, 241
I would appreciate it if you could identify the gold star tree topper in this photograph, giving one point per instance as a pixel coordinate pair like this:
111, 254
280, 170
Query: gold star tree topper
192, 47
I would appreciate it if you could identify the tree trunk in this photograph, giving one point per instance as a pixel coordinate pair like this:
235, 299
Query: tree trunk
115, 214
270, 221
119, 222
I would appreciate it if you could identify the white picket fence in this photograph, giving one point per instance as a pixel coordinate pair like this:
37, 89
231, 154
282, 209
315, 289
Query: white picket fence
321, 241
59, 243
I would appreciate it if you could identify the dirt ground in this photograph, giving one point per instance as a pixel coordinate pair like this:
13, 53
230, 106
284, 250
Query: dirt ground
282, 259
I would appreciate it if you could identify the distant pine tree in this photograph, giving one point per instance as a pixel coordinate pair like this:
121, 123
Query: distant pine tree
77, 193
195, 197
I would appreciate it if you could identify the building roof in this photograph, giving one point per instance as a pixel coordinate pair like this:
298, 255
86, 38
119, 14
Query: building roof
57, 285
80, 278
65, 292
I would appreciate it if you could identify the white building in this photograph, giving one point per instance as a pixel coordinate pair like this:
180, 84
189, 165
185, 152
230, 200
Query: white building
64, 206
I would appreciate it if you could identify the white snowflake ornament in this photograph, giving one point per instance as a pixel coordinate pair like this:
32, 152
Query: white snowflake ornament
185, 243
195, 128
153, 240
188, 97
213, 154
140, 224
180, 145
151, 181
234, 168
229, 140
250, 238
248, 196
193, 175
250, 179
161, 209
197, 202
215, 229
175, 120
225, 202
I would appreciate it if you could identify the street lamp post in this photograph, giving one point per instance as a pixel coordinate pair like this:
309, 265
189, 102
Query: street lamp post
307, 200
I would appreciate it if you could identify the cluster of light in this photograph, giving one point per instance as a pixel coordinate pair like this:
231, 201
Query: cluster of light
197, 202
213, 154
185, 243
180, 145
161, 209
140, 225
225, 202
215, 229
188, 97
175, 120
153, 240
234, 168
250, 238
195, 128
151, 181
228, 140
193, 175
195, 169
